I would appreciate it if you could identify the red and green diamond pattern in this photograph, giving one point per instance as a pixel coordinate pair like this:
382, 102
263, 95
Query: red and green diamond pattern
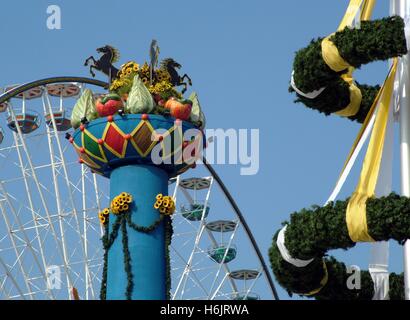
130, 139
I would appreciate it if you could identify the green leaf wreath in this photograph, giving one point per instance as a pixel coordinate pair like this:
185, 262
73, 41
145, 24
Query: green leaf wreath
375, 40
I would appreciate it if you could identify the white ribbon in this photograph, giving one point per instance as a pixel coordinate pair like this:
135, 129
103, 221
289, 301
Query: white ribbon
280, 242
407, 31
352, 160
380, 277
309, 95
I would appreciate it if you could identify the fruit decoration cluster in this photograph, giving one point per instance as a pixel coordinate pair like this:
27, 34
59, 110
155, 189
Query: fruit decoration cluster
139, 89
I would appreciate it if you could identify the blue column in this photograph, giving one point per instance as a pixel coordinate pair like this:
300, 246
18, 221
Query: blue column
147, 251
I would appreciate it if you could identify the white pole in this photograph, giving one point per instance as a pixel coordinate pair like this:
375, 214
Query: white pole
402, 8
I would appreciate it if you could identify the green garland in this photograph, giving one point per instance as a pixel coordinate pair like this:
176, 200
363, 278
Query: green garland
103, 290
169, 231
143, 229
375, 40
127, 260
108, 239
313, 232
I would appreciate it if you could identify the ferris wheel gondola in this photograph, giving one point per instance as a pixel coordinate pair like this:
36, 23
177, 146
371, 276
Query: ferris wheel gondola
27, 120
60, 115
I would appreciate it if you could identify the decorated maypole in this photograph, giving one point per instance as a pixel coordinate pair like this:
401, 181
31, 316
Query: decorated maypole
139, 135
402, 8
323, 80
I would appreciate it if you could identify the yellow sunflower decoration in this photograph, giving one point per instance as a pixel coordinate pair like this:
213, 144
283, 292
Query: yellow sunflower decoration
162, 75
104, 215
121, 203
165, 204
160, 84
125, 76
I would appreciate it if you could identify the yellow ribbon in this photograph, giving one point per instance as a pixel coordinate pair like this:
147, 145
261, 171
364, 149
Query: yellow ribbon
323, 282
367, 10
355, 97
353, 9
332, 57
351, 13
361, 132
356, 219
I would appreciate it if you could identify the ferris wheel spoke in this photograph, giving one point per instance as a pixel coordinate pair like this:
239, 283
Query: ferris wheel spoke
194, 275
248, 291
88, 283
58, 203
3, 289
12, 237
42, 199
47, 108
193, 270
12, 279
189, 262
222, 264
200, 229
209, 233
213, 295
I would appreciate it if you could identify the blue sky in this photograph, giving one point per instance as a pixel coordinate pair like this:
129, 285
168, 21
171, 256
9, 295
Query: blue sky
239, 55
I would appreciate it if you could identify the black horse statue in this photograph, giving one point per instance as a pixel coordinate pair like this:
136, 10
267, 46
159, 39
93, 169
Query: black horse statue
109, 56
171, 65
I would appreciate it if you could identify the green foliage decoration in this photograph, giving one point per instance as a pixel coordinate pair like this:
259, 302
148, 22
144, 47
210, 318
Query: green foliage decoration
375, 40
311, 233
122, 221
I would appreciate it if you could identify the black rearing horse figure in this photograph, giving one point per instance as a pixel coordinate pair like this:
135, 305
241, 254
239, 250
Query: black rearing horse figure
109, 56
171, 65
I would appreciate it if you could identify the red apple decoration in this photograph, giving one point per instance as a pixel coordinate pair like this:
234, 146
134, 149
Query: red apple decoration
108, 105
170, 102
180, 110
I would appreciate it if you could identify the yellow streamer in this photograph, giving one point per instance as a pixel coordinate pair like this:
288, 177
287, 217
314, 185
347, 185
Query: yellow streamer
362, 129
351, 13
332, 57
323, 282
355, 97
356, 219
367, 10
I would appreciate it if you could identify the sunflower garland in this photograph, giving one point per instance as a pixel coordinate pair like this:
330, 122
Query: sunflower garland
123, 220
